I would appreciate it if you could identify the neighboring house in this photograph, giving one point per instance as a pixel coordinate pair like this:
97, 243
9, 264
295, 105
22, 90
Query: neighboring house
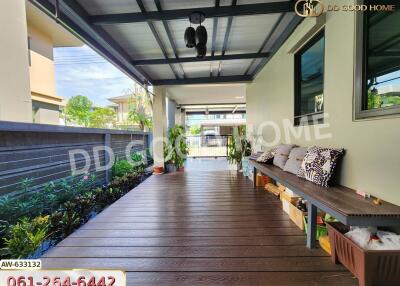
222, 124
44, 35
121, 106
27, 76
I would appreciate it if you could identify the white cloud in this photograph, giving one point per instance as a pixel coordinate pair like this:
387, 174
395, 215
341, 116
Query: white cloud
82, 71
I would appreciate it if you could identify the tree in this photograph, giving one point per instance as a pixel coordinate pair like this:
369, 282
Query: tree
78, 110
102, 117
139, 108
195, 130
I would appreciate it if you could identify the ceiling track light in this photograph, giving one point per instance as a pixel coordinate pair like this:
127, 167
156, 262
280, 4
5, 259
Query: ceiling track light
197, 38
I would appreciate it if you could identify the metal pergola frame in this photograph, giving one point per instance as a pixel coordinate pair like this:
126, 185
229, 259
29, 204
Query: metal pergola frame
71, 15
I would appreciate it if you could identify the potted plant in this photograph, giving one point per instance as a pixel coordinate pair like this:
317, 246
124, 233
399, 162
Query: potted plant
238, 147
176, 150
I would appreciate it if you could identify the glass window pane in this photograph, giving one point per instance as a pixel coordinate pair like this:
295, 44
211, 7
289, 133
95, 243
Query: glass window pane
311, 76
383, 60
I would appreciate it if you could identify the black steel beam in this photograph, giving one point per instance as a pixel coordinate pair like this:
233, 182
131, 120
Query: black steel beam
170, 37
194, 59
214, 36
203, 80
76, 20
156, 36
226, 38
210, 12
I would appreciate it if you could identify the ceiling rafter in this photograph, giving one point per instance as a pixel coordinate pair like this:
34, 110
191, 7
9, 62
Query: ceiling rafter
170, 37
226, 38
210, 12
204, 80
156, 36
195, 59
214, 36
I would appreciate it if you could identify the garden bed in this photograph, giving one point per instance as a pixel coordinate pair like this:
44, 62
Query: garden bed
33, 222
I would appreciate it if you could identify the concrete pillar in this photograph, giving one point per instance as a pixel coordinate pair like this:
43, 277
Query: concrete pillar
171, 108
159, 124
180, 117
15, 94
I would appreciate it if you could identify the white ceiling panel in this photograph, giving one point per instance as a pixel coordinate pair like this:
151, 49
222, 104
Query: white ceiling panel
208, 93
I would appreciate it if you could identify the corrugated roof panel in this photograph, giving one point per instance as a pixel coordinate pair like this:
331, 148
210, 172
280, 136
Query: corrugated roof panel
234, 67
249, 32
136, 39
185, 4
101, 7
197, 69
159, 71
221, 30
279, 30
243, 2
162, 34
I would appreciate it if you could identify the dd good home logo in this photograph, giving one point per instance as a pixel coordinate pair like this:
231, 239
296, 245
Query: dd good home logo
314, 8
309, 8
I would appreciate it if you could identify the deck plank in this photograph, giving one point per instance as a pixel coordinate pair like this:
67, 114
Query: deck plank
198, 229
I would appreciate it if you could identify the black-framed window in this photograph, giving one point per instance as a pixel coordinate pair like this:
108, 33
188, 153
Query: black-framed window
379, 63
309, 81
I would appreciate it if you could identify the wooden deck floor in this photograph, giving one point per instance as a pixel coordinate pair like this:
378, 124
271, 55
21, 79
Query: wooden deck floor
206, 228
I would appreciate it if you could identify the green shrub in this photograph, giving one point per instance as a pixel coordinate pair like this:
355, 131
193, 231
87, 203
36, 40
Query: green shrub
25, 237
67, 205
65, 221
138, 162
121, 168
176, 150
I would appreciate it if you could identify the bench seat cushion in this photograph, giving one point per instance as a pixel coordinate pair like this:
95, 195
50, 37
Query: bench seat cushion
296, 157
319, 164
282, 155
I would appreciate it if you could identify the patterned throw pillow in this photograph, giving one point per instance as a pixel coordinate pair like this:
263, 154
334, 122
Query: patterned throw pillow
267, 156
319, 164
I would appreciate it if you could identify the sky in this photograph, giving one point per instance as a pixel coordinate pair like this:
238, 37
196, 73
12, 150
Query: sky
80, 70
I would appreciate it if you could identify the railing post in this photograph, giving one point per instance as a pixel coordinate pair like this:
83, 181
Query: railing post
107, 143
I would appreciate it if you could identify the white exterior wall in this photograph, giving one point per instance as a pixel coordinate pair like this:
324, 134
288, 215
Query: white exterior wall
15, 96
372, 160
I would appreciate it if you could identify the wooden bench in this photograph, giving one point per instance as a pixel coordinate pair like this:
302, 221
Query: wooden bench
341, 202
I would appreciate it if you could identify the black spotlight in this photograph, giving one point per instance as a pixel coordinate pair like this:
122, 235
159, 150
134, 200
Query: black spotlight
201, 51
190, 37
201, 36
